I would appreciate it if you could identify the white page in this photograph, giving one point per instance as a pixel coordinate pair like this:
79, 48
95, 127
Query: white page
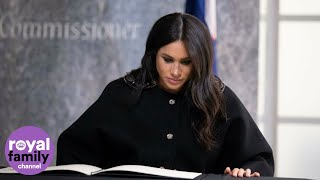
8, 170
82, 168
152, 171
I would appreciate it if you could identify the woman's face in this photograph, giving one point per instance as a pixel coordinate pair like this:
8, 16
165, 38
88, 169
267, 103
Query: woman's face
174, 66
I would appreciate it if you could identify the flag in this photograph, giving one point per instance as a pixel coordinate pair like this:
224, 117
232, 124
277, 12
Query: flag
205, 11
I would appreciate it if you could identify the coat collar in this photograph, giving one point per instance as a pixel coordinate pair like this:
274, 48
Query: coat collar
129, 79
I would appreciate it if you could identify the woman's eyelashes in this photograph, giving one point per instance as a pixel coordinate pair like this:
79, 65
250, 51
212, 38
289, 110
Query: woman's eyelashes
167, 60
184, 62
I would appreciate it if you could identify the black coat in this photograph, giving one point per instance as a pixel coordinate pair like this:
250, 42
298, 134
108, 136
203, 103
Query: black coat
157, 132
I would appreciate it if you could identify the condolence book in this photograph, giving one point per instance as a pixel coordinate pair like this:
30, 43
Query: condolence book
125, 169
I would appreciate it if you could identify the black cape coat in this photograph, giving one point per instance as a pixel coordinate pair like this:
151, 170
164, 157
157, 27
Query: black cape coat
157, 132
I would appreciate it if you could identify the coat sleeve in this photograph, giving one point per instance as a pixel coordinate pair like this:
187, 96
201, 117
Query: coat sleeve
244, 146
84, 142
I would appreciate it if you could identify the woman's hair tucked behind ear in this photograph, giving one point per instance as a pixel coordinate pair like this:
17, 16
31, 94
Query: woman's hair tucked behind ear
202, 86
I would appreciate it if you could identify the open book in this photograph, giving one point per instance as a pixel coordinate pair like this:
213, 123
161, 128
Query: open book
93, 170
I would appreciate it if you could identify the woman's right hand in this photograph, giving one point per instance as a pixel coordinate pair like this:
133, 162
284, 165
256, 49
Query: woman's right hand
236, 172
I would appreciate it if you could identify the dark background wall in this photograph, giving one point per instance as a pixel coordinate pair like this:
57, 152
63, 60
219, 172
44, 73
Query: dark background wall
57, 56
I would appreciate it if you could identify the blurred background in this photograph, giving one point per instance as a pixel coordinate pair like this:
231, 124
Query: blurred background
57, 57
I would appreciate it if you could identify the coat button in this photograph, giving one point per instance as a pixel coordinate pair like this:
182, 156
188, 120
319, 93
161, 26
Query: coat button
169, 136
172, 101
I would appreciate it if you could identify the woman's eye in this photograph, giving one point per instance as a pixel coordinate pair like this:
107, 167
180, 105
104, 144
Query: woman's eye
186, 62
167, 60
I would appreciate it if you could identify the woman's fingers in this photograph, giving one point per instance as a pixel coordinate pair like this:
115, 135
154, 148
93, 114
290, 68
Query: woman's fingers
248, 173
255, 174
235, 172
241, 172
227, 170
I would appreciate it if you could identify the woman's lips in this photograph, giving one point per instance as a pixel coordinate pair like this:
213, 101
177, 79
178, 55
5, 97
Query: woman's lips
174, 81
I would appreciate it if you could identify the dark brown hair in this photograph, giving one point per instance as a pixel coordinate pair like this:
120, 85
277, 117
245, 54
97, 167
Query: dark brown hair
202, 86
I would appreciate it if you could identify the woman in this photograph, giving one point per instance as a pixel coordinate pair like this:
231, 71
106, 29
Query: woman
172, 112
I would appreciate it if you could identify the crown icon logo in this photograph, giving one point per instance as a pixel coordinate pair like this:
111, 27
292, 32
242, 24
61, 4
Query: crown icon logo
21, 145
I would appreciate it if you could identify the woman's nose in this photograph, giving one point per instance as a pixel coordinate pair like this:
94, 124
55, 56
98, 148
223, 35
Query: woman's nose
175, 70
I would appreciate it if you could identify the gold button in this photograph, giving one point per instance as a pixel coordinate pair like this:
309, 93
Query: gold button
169, 136
172, 101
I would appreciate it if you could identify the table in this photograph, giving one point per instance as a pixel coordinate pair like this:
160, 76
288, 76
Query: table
115, 176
